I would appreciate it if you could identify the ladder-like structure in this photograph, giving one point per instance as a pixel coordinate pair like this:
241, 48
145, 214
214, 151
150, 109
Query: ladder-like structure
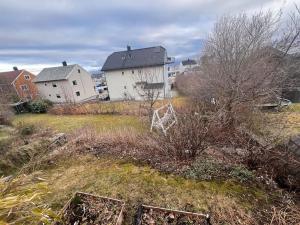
166, 121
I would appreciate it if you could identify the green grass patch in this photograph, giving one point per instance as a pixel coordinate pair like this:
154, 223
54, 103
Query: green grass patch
69, 123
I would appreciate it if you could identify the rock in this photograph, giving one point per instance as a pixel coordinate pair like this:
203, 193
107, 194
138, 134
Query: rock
6, 179
294, 144
59, 139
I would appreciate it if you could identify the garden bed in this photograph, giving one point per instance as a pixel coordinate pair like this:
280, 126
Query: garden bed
150, 215
85, 208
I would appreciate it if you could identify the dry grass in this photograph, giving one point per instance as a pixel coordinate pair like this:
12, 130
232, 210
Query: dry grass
135, 108
48, 190
293, 122
70, 123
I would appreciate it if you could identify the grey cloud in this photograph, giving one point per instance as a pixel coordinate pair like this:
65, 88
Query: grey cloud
85, 32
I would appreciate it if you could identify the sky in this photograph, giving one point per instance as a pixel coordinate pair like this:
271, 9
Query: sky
35, 34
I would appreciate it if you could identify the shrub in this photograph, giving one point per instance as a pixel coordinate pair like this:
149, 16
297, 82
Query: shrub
5, 115
48, 102
204, 169
188, 138
242, 174
26, 129
39, 106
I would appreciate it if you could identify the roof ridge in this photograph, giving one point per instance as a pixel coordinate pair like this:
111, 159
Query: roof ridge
12, 71
59, 66
137, 49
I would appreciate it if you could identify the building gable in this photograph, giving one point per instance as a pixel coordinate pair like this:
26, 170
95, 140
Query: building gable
145, 57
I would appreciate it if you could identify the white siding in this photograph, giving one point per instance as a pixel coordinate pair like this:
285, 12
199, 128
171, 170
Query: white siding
119, 84
66, 90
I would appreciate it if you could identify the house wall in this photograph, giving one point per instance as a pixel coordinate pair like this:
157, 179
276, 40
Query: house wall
31, 91
66, 90
123, 85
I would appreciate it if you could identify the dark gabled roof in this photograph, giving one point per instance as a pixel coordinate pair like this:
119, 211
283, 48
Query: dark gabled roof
136, 58
189, 62
151, 86
9, 77
54, 73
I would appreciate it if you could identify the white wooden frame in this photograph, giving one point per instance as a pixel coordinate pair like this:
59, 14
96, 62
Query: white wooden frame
165, 122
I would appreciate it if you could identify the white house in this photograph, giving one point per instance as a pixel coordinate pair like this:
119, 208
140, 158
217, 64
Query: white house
188, 65
130, 73
67, 83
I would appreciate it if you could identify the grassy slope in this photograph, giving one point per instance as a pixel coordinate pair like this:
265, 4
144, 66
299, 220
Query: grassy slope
71, 123
131, 183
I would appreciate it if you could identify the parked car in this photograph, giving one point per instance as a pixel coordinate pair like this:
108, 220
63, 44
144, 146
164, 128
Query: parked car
100, 88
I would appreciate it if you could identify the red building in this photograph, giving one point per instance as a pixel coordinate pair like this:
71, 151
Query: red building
18, 84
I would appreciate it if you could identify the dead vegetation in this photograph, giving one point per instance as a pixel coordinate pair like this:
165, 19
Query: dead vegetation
90, 209
148, 215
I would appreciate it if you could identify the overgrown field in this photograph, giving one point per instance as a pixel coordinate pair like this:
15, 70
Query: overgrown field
121, 160
48, 190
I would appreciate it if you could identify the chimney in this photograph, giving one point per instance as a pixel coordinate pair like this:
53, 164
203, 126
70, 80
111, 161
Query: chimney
128, 48
15, 68
64, 63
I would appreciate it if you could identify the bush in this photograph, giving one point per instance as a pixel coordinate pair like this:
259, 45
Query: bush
39, 106
26, 129
5, 115
242, 174
48, 102
188, 138
205, 170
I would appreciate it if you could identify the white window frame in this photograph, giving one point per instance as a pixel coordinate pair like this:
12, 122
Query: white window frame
24, 87
27, 77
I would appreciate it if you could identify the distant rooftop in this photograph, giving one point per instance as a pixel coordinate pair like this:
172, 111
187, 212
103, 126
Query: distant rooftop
189, 62
9, 77
134, 58
54, 73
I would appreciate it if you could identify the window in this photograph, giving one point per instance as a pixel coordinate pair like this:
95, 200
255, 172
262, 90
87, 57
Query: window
45, 84
77, 93
58, 96
140, 71
132, 71
74, 82
78, 70
125, 87
49, 95
27, 77
24, 87
54, 85
122, 72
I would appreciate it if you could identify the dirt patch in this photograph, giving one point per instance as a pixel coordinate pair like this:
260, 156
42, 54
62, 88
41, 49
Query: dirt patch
90, 209
149, 215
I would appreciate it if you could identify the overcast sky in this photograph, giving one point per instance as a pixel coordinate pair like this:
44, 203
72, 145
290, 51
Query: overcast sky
37, 33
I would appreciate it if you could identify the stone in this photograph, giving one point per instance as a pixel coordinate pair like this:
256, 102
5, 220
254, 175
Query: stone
294, 144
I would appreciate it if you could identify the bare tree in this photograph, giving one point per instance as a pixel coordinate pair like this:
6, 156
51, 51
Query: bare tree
242, 62
149, 89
